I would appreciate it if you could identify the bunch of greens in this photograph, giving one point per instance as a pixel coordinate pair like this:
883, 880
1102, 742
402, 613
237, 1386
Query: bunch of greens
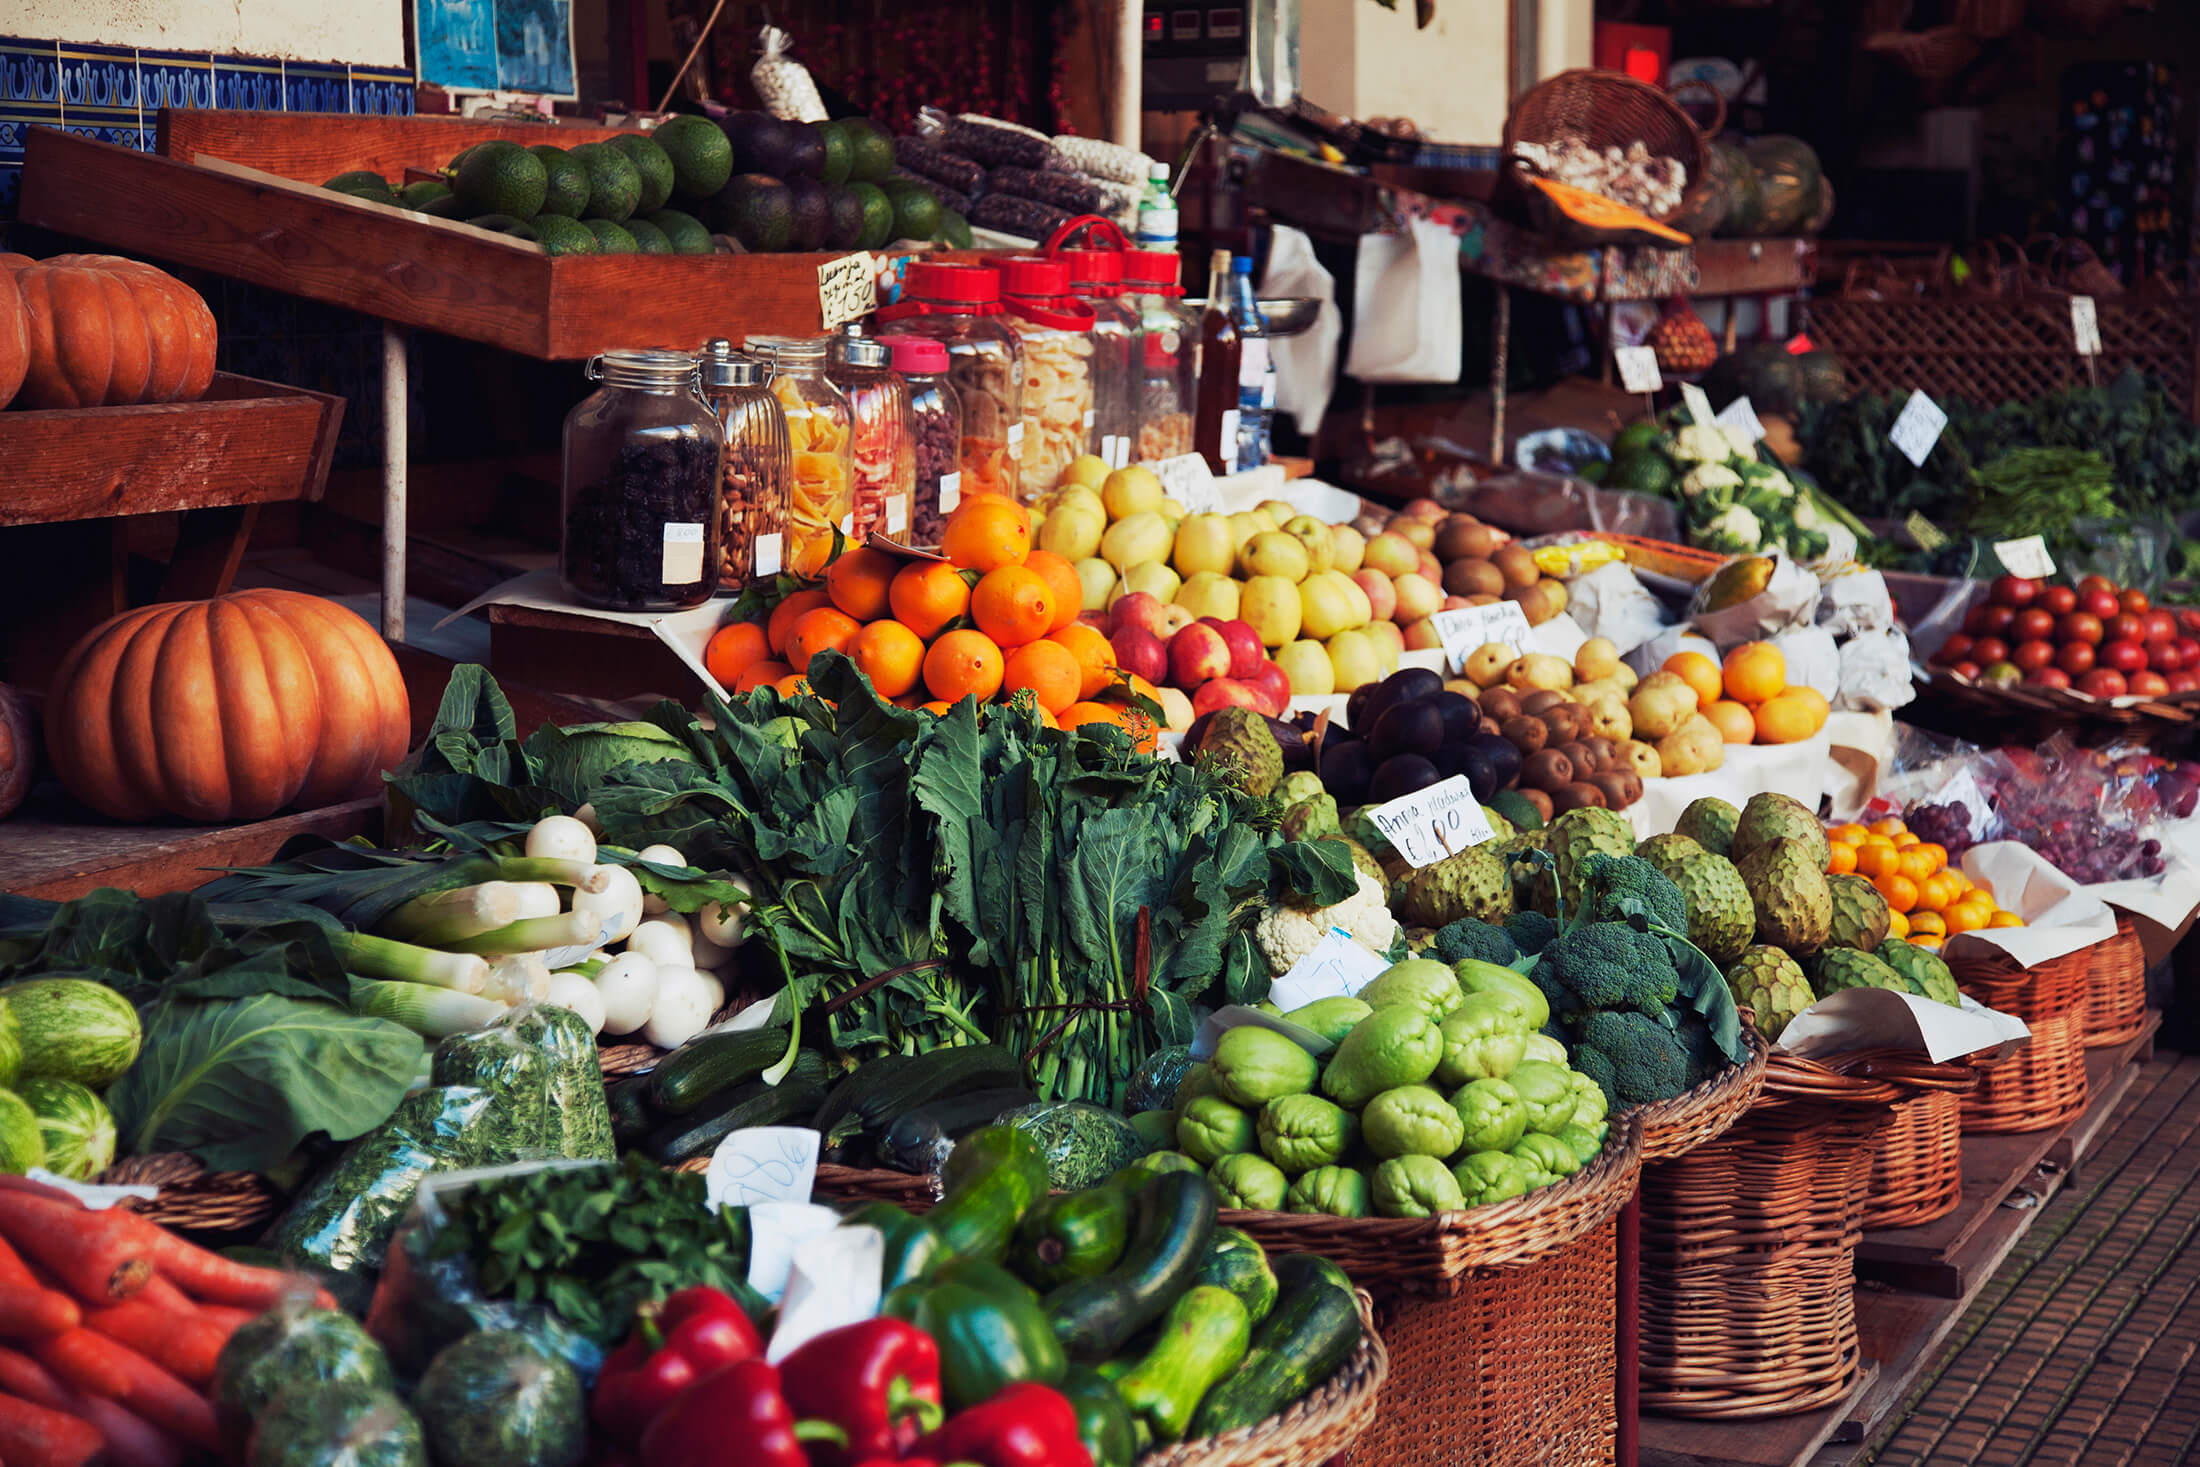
2041, 491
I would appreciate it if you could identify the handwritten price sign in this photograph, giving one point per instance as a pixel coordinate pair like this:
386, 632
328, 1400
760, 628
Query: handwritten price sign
1471, 627
847, 289
1430, 824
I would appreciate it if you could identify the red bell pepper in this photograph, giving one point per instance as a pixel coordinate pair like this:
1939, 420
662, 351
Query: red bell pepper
1025, 1425
878, 1380
675, 1343
735, 1414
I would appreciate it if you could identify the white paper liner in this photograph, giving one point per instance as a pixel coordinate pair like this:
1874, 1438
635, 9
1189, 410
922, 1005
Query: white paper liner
2060, 916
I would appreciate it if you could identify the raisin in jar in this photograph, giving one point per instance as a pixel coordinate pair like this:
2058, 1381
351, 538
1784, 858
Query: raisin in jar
1169, 354
1055, 329
878, 436
959, 306
821, 498
752, 506
1118, 343
935, 435
643, 456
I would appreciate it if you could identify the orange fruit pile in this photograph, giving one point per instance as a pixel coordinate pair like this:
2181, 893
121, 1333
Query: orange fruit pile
1931, 901
1748, 699
995, 619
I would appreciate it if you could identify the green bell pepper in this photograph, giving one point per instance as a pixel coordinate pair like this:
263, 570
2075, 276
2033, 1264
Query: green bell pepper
913, 1248
1104, 1423
991, 1180
1205, 1335
989, 1326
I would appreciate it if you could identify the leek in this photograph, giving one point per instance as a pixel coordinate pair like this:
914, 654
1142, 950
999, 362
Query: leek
464, 911
380, 957
433, 1013
533, 934
580, 875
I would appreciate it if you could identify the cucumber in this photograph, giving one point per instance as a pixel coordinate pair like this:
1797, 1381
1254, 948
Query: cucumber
880, 1091
710, 1063
1304, 1341
991, 1179
921, 1140
1175, 1220
1236, 1261
1072, 1235
913, 1248
795, 1098
837, 1118
632, 1119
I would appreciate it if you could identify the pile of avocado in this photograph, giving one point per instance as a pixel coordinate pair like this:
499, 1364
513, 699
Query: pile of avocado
769, 184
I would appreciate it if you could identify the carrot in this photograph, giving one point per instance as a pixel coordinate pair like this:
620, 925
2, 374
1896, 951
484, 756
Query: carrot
184, 1345
24, 1377
37, 1436
132, 1441
165, 1295
149, 1391
83, 1361
9, 1182
13, 1270
98, 1255
229, 1319
209, 1277
34, 1311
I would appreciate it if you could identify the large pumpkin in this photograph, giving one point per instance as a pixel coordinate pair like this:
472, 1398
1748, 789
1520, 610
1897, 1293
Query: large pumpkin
15, 347
102, 331
1787, 182
228, 709
17, 755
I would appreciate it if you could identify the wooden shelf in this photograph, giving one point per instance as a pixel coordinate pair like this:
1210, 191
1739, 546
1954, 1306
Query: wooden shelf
49, 850
1771, 1441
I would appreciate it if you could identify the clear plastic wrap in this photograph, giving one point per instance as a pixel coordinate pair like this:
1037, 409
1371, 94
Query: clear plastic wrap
999, 144
1084, 1144
539, 1061
948, 198
497, 1399
1068, 191
1099, 158
925, 158
1021, 217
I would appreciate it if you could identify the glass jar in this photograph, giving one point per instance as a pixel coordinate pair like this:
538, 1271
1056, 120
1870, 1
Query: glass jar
1168, 352
1055, 331
642, 462
935, 435
878, 409
759, 469
821, 492
959, 306
1118, 341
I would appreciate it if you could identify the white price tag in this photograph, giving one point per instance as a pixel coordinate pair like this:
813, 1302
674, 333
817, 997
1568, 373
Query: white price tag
1918, 428
1699, 406
681, 564
1110, 446
1338, 966
1187, 479
1433, 823
847, 289
761, 1164
1471, 627
837, 1280
768, 554
1638, 368
897, 513
1016, 436
2085, 324
1741, 417
776, 1230
951, 492
2027, 557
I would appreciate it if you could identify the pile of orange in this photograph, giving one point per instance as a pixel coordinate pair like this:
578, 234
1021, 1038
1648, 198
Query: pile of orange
1931, 900
994, 619
1747, 698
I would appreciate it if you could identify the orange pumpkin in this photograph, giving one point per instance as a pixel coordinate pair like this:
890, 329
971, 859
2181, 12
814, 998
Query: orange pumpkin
17, 755
228, 709
102, 331
15, 347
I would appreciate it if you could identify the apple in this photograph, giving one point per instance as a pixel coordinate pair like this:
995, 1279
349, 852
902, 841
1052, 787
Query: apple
1305, 663
1174, 619
1355, 658
1392, 554
1419, 533
2134, 601
1455, 603
2160, 625
2016, 591
1430, 569
1347, 547
2103, 682
1224, 692
2075, 658
1273, 684
2123, 655
1207, 595
1197, 654
1966, 670
2079, 626
1389, 638
2034, 655
2185, 680
1176, 709
1425, 509
1382, 595
2033, 624
2188, 652
2124, 626
2102, 604
1989, 650
2149, 685
2048, 677
1421, 637
1955, 649
2162, 656
1136, 609
2058, 600
2002, 674
2095, 584
1417, 598
1140, 653
1247, 655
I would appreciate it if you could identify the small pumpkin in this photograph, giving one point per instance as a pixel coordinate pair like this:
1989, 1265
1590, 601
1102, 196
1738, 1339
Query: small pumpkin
102, 331
18, 754
229, 709
15, 346
1577, 215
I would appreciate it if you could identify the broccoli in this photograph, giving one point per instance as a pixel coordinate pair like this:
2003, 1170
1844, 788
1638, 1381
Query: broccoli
1609, 881
1607, 965
1531, 932
1471, 938
1633, 1058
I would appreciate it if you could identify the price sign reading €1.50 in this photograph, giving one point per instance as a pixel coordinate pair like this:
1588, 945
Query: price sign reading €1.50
1470, 627
847, 289
1430, 824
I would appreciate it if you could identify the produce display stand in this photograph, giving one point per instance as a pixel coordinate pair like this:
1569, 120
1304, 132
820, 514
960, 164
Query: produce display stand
236, 193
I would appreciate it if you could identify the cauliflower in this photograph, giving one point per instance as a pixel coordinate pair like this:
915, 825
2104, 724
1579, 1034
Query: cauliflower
1286, 934
1805, 513
1714, 480
1732, 531
1701, 444
1743, 445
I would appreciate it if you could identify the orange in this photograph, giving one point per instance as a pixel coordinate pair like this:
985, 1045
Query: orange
1093, 654
1013, 605
1889, 827
1840, 859
1876, 861
787, 613
1849, 834
1897, 924
936, 706
1930, 944
1936, 891
1755, 672
1906, 840
1813, 697
890, 655
1936, 853
1929, 924
1061, 579
1143, 688
1785, 718
1734, 722
2005, 919
1874, 838
961, 665
986, 533
1702, 674
1049, 669
815, 631
1899, 890
1136, 724
1913, 863
1963, 917
766, 673
926, 595
859, 580
732, 649
792, 684
1047, 718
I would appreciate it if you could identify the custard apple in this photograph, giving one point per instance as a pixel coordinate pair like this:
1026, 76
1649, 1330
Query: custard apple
1310, 819
1709, 822
1473, 883
1239, 748
1925, 970
1787, 885
1721, 916
1668, 852
1845, 967
1770, 817
1769, 986
1574, 837
1860, 913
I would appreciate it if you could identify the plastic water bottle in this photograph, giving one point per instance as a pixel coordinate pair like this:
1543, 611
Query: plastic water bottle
1157, 212
1256, 368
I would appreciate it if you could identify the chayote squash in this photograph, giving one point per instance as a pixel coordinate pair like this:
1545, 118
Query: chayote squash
1421, 983
1483, 1039
1415, 1186
1332, 1018
1489, 1176
1212, 1128
1390, 1047
1548, 1092
1248, 1181
1411, 1120
1491, 1115
1301, 1132
1252, 1066
1338, 1191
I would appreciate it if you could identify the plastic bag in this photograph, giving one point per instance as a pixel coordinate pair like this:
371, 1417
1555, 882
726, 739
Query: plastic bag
925, 157
540, 1062
1023, 218
1611, 602
1541, 504
497, 1397
1153, 1084
1062, 190
999, 144
499, 1061
1083, 1144
1788, 598
1812, 660
1099, 158
782, 83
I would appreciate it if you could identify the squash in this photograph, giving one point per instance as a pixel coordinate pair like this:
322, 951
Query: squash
1577, 216
1744, 208
228, 709
15, 346
1788, 176
17, 753
102, 331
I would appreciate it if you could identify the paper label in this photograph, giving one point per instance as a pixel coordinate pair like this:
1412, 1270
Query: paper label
1338, 966
1742, 417
836, 1280
1918, 428
682, 561
762, 1164
1109, 442
1469, 628
2085, 324
1699, 406
847, 289
768, 554
1430, 824
1091, 415
1237, 1016
1187, 479
1252, 363
1229, 433
951, 492
1927, 534
1638, 368
1016, 436
897, 513
776, 1230
2027, 557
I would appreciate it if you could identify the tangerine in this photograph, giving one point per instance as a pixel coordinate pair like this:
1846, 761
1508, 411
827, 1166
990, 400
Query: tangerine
793, 684
787, 613
1931, 924
1899, 890
1049, 669
1849, 834
1890, 827
927, 595
733, 649
1913, 863
1963, 917
1735, 723
936, 706
2005, 919
1700, 673
859, 581
963, 664
1093, 652
1755, 672
1785, 718
1121, 715
1840, 858
890, 655
1874, 862
760, 674
1936, 891
1937, 853
816, 631
1897, 924
1046, 717
1061, 579
986, 533
1013, 605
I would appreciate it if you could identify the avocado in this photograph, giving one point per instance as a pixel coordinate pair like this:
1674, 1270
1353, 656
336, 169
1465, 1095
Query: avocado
702, 159
614, 183
449, 206
419, 195
916, 210
750, 135
870, 150
361, 184
562, 236
839, 156
847, 220
878, 215
811, 207
654, 165
504, 224
755, 209
567, 191
685, 231
954, 230
502, 178
804, 150
611, 238
648, 238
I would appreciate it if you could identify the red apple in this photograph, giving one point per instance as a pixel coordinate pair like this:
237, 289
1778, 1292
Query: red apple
1431, 569
2033, 624
2124, 626
2001, 675
2048, 677
2188, 651
2184, 681
1196, 655
1989, 650
1269, 681
2188, 621
1966, 670
1246, 652
2058, 600
2160, 625
1955, 649
2123, 655
1224, 692
2102, 682
2149, 685
2034, 655
1174, 619
1138, 609
2102, 604
1141, 653
2134, 601
2013, 590
2094, 584
1382, 595
2162, 656
2079, 626
2075, 658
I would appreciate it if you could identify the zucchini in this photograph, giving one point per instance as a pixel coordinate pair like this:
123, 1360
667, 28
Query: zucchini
632, 1119
795, 1098
879, 1092
1304, 1341
1072, 1235
1236, 1261
837, 1118
709, 1063
921, 1140
1174, 1221
990, 1181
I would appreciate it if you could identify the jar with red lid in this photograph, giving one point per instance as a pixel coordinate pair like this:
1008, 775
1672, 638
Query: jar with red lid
878, 433
1118, 342
959, 306
1054, 329
935, 435
1168, 377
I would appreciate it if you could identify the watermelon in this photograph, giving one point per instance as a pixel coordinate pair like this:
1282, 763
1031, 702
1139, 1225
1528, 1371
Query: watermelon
1770, 377
1823, 378
1744, 209
74, 1029
22, 1143
1787, 182
78, 1129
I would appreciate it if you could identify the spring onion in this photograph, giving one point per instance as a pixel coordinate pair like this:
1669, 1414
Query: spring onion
628, 987
435, 1013
681, 1010
572, 990
463, 911
618, 906
380, 957
663, 940
532, 934
562, 836
518, 978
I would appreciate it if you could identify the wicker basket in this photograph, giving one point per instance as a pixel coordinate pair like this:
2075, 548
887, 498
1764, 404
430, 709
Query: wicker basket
1990, 20
1678, 1126
2041, 1086
1917, 1164
193, 1199
1605, 109
1323, 1426
2116, 994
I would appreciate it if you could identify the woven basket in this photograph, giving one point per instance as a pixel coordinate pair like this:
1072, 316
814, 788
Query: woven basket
1678, 1126
1917, 1164
2116, 995
193, 1199
1935, 57
1990, 20
2039, 1087
1605, 109
1324, 1425
2046, 990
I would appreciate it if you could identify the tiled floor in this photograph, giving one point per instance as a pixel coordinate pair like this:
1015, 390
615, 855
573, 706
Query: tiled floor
2082, 1349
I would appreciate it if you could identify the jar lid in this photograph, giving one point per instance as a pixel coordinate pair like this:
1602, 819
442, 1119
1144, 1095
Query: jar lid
1030, 275
642, 368
916, 353
1093, 267
795, 351
940, 281
725, 367
1153, 267
857, 350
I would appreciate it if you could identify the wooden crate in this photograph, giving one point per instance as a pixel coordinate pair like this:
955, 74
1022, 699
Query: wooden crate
245, 442
238, 195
